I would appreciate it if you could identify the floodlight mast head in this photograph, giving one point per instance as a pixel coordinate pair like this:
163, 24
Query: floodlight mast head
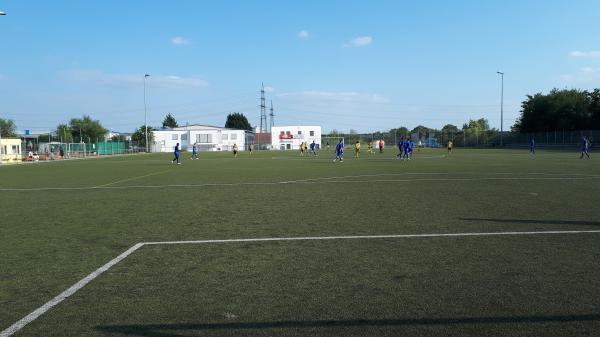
2, 13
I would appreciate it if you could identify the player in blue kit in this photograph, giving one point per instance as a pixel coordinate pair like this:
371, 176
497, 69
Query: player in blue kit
176, 153
411, 147
313, 148
400, 148
339, 151
585, 148
406, 149
194, 151
532, 146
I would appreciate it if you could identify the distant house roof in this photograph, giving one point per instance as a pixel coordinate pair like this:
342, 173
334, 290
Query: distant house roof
196, 127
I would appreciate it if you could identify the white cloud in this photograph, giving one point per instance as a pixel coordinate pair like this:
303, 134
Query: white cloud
590, 54
343, 96
359, 41
584, 75
180, 41
269, 89
303, 34
162, 81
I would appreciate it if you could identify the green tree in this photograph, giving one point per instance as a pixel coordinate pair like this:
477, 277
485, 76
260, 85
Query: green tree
64, 133
449, 128
558, 110
87, 128
400, 132
7, 128
238, 121
594, 107
169, 122
478, 125
420, 130
139, 136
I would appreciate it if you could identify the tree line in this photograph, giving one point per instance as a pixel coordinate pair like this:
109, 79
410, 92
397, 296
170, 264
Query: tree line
477, 130
568, 109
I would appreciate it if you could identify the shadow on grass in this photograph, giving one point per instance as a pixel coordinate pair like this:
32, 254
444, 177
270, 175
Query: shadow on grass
177, 330
541, 222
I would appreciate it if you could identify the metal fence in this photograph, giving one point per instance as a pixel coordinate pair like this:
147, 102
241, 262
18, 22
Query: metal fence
58, 150
470, 138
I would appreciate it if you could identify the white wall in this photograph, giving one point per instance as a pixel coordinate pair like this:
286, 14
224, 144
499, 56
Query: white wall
298, 134
208, 139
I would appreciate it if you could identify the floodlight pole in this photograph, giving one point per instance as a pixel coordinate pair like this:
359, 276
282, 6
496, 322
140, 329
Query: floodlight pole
501, 106
145, 114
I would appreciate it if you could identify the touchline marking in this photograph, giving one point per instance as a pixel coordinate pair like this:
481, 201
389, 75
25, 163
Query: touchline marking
324, 180
77, 286
133, 178
348, 237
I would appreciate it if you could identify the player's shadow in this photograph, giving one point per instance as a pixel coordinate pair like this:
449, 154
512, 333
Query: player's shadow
537, 222
181, 330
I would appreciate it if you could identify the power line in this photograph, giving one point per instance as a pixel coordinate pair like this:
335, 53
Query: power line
272, 117
263, 109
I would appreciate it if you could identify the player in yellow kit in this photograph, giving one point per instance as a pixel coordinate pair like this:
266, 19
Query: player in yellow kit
356, 149
370, 147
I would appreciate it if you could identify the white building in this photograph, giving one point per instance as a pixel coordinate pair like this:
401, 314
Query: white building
290, 137
208, 138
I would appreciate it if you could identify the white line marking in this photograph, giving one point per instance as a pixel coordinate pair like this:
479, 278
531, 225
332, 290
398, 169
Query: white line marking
62, 296
305, 238
134, 178
325, 180
74, 288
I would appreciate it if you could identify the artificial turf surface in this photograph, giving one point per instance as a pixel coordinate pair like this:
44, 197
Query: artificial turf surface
62, 220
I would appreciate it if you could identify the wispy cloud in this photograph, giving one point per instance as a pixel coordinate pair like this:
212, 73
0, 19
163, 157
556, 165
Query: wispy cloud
359, 41
303, 34
1, 77
343, 96
162, 81
180, 41
584, 75
269, 89
588, 54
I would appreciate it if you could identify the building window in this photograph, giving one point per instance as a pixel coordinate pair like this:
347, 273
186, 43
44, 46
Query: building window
282, 132
312, 133
225, 136
184, 137
203, 138
288, 133
299, 132
174, 137
233, 136
15, 149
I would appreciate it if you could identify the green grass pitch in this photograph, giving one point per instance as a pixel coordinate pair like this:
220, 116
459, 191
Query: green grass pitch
60, 221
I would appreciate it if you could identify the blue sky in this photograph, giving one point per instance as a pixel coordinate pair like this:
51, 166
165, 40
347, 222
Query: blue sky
362, 65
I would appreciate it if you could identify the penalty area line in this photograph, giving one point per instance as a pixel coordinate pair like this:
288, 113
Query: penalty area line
65, 294
83, 282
